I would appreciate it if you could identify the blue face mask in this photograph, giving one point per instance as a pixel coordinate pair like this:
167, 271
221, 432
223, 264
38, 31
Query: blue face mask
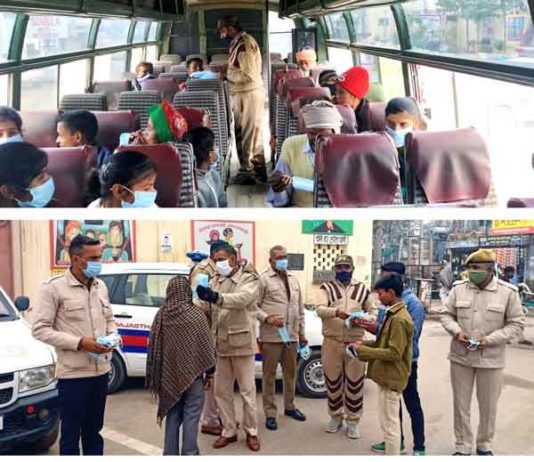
41, 195
142, 199
12, 139
94, 268
344, 276
398, 136
281, 265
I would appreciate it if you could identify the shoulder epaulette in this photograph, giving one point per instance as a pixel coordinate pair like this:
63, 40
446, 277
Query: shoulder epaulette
461, 281
53, 278
508, 285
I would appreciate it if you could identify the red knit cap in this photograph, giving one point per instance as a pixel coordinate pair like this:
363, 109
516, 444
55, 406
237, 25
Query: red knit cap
355, 81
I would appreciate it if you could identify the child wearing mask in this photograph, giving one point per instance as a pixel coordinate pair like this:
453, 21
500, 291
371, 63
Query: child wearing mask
10, 125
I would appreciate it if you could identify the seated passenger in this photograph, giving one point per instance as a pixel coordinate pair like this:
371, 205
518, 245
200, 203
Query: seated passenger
307, 61
24, 181
210, 187
292, 181
194, 65
165, 125
328, 79
352, 88
126, 180
143, 71
10, 125
79, 128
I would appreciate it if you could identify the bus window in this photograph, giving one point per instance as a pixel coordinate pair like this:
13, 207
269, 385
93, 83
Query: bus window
375, 26
7, 23
152, 53
140, 30
112, 32
72, 78
391, 78
280, 40
137, 57
39, 89
337, 27
53, 35
110, 67
153, 32
4, 90
370, 62
340, 58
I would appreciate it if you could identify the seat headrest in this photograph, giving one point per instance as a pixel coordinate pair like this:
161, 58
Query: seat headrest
358, 170
450, 165
195, 117
167, 87
377, 112
350, 125
111, 124
112, 89
40, 128
295, 96
285, 84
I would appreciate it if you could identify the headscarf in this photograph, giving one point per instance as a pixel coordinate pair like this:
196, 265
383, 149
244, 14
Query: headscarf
169, 124
306, 54
180, 347
322, 114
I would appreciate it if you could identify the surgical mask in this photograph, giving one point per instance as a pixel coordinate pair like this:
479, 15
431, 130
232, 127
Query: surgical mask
281, 265
94, 268
477, 277
12, 139
142, 199
344, 276
304, 352
223, 267
398, 135
41, 195
284, 334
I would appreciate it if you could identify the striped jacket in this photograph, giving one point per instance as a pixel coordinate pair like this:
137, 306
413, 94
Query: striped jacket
332, 296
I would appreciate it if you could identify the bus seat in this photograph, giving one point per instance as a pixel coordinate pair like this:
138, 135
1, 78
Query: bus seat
112, 90
218, 68
87, 101
285, 84
350, 125
275, 56
274, 99
378, 116
220, 58
195, 117
516, 202
448, 166
167, 88
111, 124
297, 96
356, 171
139, 102
174, 59
204, 58
160, 67
182, 67
218, 87
40, 127
180, 76
168, 168
69, 168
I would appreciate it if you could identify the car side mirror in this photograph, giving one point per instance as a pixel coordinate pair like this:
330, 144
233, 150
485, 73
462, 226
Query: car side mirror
22, 303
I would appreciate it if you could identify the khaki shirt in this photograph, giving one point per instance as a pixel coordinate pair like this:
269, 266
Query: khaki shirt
495, 312
355, 297
273, 300
234, 314
67, 311
244, 64
204, 267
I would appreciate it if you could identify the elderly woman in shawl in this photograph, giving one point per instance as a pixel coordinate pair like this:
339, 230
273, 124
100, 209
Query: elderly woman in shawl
181, 360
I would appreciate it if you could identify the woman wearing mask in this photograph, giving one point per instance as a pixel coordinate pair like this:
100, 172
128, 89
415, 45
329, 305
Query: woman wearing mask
181, 359
10, 125
126, 181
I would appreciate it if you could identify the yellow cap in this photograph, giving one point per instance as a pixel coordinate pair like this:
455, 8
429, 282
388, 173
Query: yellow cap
481, 256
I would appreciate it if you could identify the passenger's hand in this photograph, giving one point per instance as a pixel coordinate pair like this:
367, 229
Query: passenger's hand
303, 341
90, 345
207, 295
280, 181
138, 138
463, 338
275, 320
342, 314
369, 326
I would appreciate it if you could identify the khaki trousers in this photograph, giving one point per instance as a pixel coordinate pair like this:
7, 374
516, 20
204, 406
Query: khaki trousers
488, 389
344, 378
228, 370
388, 414
273, 353
210, 412
248, 114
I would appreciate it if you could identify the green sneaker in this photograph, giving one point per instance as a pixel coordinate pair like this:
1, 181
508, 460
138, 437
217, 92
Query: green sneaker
380, 448
419, 453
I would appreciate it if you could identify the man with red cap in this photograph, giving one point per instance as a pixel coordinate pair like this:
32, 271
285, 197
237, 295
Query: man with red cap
352, 88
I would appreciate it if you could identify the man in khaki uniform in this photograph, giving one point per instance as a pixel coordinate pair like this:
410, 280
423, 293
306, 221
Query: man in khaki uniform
245, 80
72, 311
344, 375
280, 305
482, 314
231, 299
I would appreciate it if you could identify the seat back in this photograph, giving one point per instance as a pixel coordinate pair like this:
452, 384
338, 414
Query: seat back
160, 67
182, 67
70, 167
112, 90
448, 166
40, 127
357, 171
166, 87
204, 58
276, 74
195, 117
296, 96
377, 112
221, 58
169, 171
218, 87
286, 83
350, 125
87, 101
180, 76
516, 202
111, 124
139, 102
174, 59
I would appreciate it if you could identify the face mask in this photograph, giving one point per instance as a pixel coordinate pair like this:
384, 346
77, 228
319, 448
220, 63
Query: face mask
215, 163
477, 277
398, 136
281, 265
12, 139
344, 276
223, 267
41, 195
142, 199
94, 268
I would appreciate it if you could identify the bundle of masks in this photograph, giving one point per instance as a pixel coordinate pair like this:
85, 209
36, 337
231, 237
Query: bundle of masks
303, 351
201, 280
110, 341
353, 318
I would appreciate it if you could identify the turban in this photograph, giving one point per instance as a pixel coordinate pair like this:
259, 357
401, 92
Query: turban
321, 114
307, 54
169, 124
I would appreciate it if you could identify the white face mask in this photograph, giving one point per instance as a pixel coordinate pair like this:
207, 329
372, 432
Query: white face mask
223, 267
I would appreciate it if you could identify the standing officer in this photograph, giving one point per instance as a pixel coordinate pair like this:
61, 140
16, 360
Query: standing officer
248, 98
482, 313
72, 311
231, 297
280, 306
344, 375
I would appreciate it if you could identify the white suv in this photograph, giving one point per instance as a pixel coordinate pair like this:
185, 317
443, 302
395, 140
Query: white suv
137, 291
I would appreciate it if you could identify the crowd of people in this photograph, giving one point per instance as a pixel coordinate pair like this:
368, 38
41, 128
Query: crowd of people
203, 340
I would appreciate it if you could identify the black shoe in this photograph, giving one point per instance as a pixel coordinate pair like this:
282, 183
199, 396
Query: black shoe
261, 175
295, 414
460, 454
484, 453
270, 423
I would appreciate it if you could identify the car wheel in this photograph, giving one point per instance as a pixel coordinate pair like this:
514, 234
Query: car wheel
117, 375
48, 441
310, 377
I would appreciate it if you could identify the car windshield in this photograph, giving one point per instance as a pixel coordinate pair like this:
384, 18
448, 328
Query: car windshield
7, 313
